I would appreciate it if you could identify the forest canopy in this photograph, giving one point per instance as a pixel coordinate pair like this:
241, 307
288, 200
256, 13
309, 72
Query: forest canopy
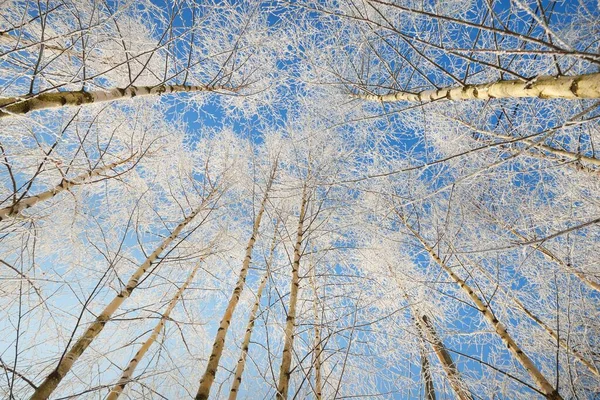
306, 199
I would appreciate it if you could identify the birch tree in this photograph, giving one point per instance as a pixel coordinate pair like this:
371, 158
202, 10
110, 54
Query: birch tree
316, 199
128, 372
213, 361
239, 369
109, 52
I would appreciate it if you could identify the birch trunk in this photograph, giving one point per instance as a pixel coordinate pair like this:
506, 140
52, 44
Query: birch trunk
541, 323
543, 384
128, 372
427, 333
22, 105
65, 184
239, 370
427, 330
544, 87
64, 365
286, 362
213, 362
426, 372
317, 346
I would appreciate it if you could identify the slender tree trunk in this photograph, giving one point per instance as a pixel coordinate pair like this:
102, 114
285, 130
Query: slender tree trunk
239, 369
427, 333
286, 362
64, 365
544, 87
541, 323
128, 372
219, 344
544, 385
22, 105
66, 184
426, 372
427, 330
317, 346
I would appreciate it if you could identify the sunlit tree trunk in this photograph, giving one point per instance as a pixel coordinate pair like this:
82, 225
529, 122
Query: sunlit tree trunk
239, 369
286, 362
241, 364
426, 371
427, 333
427, 330
544, 385
66, 184
18, 106
317, 346
543, 87
64, 366
133, 363
219, 344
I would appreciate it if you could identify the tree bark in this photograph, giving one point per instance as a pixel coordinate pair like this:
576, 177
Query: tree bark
64, 365
427, 330
128, 372
66, 184
286, 362
543, 384
241, 364
219, 344
427, 333
426, 372
19, 106
317, 346
544, 87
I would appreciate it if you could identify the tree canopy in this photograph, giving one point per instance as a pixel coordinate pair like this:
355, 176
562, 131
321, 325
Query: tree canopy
313, 199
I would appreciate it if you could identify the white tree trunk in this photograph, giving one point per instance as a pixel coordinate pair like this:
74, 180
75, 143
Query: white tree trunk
241, 364
317, 348
133, 363
426, 371
427, 333
65, 184
219, 344
64, 366
18, 106
543, 87
543, 384
286, 361
425, 327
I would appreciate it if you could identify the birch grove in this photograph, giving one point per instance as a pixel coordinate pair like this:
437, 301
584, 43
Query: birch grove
299, 200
